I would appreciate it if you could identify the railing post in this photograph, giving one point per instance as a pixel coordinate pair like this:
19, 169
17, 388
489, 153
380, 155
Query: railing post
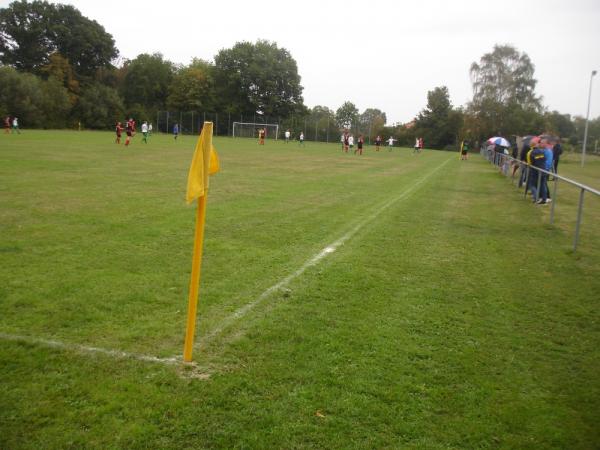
526, 182
554, 189
579, 212
539, 185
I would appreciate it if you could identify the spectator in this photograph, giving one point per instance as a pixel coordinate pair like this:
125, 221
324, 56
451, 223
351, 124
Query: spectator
537, 159
556, 152
547, 149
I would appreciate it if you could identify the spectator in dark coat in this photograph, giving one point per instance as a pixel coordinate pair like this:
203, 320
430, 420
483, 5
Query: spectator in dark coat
556, 152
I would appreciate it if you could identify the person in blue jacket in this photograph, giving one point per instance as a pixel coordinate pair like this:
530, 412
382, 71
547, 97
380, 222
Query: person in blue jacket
548, 165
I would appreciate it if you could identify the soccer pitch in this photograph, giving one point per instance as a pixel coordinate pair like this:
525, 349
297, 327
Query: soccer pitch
387, 300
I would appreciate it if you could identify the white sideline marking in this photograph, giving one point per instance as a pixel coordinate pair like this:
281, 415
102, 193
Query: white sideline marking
331, 248
86, 349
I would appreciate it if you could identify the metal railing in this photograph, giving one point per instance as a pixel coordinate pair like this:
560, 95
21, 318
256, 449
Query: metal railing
505, 162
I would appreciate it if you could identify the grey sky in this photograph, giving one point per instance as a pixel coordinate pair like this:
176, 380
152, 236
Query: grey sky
384, 54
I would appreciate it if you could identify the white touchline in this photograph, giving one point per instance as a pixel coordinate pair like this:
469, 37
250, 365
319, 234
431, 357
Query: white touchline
86, 349
331, 248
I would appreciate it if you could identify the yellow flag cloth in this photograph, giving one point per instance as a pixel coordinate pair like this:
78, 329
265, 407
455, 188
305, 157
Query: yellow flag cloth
205, 162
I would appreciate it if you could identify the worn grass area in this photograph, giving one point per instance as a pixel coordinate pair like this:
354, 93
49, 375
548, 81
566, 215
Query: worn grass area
456, 317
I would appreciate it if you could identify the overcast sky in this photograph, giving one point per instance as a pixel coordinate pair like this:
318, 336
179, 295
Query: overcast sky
382, 54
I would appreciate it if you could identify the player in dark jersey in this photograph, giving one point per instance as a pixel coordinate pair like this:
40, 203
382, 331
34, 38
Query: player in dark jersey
464, 151
359, 144
128, 131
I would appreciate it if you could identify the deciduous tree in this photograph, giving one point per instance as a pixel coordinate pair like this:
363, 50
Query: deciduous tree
259, 77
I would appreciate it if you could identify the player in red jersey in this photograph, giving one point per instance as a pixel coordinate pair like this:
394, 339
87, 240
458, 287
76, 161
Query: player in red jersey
118, 131
7, 125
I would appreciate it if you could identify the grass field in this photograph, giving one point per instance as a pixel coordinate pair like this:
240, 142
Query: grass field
420, 301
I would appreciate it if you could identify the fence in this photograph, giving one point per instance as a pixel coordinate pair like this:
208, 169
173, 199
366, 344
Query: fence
505, 162
322, 130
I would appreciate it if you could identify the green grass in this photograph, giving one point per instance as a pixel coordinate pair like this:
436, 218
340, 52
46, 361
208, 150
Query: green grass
456, 318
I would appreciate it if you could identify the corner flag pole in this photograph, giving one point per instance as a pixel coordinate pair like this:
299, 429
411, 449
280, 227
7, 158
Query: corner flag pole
205, 162
195, 279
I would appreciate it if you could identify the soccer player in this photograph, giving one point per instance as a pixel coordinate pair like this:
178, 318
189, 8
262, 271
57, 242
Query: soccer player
145, 131
416, 149
377, 142
351, 141
150, 129
287, 136
175, 131
128, 131
346, 141
464, 151
390, 143
301, 142
420, 145
261, 136
7, 125
118, 131
15, 125
359, 147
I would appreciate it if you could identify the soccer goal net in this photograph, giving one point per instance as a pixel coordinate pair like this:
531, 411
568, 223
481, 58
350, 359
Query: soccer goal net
243, 129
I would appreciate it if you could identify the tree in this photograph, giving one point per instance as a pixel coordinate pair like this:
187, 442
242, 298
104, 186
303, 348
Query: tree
31, 32
55, 103
322, 123
19, 96
346, 115
82, 41
146, 82
559, 124
99, 106
192, 88
35, 102
503, 85
25, 39
59, 68
372, 120
258, 77
438, 123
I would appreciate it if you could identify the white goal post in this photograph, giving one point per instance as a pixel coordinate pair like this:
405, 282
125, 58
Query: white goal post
247, 129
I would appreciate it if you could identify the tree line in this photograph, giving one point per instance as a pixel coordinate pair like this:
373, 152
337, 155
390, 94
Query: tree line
60, 69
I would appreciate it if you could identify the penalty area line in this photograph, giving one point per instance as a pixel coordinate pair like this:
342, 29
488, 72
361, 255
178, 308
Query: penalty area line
318, 257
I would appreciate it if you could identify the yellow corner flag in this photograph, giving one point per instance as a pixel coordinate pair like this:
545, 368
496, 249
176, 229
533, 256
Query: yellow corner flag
204, 163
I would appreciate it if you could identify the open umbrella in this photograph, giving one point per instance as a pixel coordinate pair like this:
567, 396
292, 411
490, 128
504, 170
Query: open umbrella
497, 140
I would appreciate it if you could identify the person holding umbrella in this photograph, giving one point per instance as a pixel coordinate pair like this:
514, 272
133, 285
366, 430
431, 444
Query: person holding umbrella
526, 145
500, 145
